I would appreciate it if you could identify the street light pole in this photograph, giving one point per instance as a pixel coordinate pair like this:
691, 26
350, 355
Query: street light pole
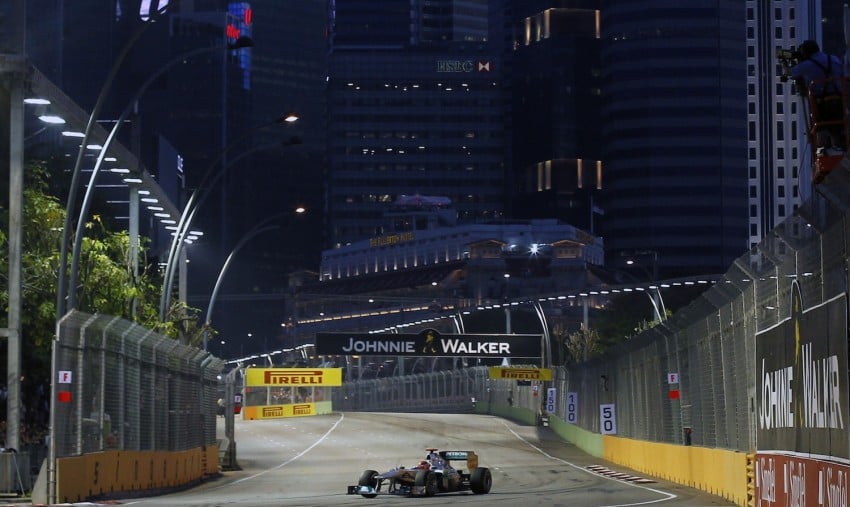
655, 294
75, 173
188, 214
223, 271
255, 231
13, 99
84, 209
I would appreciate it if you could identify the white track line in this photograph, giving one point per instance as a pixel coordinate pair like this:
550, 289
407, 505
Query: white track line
668, 496
290, 460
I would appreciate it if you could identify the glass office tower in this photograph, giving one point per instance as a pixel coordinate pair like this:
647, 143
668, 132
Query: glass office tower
675, 132
556, 97
416, 106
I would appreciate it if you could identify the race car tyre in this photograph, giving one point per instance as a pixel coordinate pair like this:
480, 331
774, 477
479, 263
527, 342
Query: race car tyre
428, 479
367, 478
480, 481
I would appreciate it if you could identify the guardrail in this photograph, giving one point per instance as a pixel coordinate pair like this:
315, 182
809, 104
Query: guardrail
127, 398
709, 383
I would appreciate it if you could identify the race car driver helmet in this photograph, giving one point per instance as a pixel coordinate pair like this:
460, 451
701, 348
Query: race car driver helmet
424, 465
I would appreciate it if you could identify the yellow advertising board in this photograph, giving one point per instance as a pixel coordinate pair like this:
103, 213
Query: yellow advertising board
294, 377
278, 411
507, 372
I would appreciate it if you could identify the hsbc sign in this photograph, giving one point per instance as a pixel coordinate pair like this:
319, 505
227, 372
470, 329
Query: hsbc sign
464, 66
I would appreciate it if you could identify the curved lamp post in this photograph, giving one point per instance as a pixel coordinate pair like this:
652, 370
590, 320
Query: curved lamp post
242, 42
254, 232
66, 232
655, 296
190, 208
75, 174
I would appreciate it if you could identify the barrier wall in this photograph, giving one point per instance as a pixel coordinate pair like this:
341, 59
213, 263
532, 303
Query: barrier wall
757, 365
254, 412
132, 410
104, 473
718, 471
722, 472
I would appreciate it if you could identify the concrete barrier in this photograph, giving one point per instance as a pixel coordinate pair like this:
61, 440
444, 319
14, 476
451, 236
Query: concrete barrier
101, 474
15, 474
720, 472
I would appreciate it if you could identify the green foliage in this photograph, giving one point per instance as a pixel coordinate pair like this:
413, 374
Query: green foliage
623, 317
41, 228
576, 346
106, 280
583, 344
183, 321
107, 283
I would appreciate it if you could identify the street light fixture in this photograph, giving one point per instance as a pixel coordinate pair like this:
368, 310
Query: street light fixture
655, 292
199, 194
240, 43
75, 174
258, 229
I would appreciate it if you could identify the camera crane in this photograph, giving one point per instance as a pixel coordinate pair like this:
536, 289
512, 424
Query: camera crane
819, 118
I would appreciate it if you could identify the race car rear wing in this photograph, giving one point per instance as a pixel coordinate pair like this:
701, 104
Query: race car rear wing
469, 456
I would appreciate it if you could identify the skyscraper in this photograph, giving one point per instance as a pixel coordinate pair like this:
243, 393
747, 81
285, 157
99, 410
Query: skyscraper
779, 155
416, 106
675, 132
556, 97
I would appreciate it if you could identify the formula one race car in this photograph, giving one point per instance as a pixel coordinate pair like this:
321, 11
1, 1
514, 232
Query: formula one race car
434, 474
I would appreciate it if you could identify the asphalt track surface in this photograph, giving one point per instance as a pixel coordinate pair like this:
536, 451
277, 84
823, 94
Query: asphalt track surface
310, 461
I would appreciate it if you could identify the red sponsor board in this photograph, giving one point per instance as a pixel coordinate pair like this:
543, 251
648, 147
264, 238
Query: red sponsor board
791, 480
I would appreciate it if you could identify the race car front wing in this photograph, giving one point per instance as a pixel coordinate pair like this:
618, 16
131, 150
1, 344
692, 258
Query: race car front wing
361, 490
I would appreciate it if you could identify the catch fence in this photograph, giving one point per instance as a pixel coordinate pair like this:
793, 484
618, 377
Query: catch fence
122, 386
693, 379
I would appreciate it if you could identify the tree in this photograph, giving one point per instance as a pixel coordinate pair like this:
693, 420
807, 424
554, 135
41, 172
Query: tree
583, 344
183, 321
624, 316
579, 345
107, 281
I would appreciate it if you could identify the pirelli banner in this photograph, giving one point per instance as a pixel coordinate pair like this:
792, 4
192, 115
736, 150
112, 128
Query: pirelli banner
801, 370
295, 377
279, 411
516, 373
429, 343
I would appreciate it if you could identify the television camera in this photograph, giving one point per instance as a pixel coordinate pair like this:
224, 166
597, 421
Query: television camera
788, 58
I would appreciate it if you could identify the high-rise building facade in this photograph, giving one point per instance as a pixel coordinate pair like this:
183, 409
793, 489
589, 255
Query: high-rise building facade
675, 133
556, 97
416, 106
779, 168
779, 154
